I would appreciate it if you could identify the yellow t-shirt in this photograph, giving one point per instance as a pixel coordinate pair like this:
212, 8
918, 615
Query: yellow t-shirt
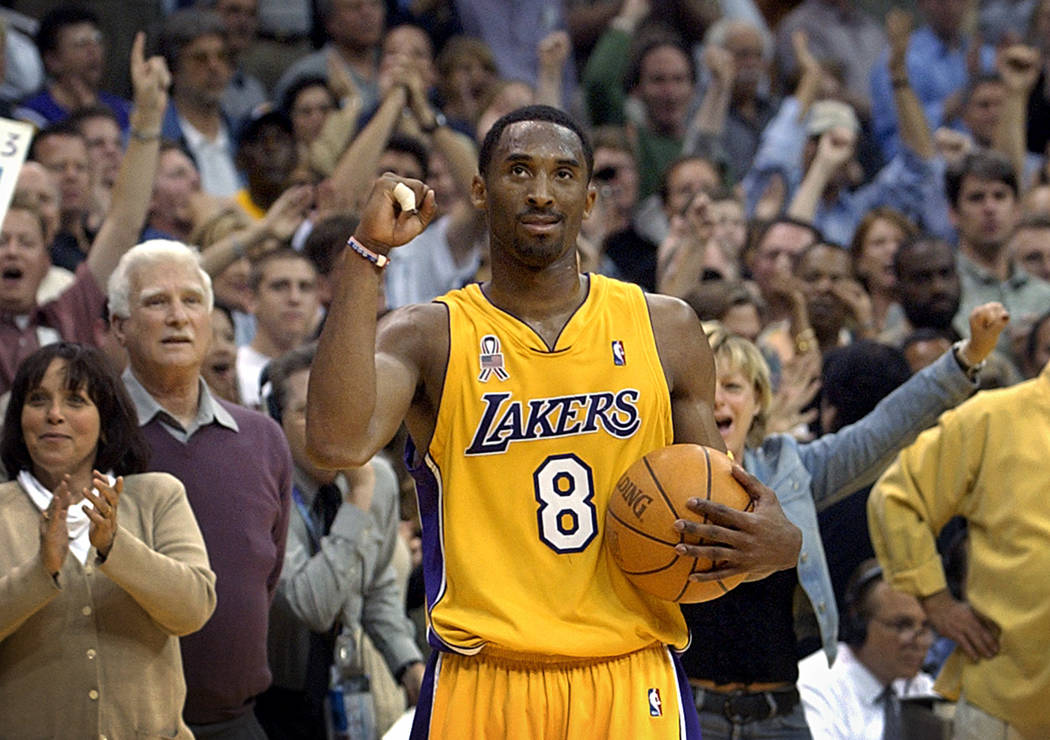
987, 462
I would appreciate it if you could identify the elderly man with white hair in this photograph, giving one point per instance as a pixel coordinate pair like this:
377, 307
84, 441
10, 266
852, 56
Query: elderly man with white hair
236, 467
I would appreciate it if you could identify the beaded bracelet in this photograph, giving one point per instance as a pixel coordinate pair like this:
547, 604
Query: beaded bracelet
379, 260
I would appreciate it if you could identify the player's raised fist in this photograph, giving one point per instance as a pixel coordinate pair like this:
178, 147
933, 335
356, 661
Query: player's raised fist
397, 211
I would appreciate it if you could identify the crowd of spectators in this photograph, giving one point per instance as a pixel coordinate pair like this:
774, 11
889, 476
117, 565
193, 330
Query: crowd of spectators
839, 184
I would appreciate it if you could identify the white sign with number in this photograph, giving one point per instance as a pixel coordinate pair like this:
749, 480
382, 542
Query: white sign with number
14, 144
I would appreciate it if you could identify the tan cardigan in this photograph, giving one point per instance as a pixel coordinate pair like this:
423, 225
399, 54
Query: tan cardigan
99, 655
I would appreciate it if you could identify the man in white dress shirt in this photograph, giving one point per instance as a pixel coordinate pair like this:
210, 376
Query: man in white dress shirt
886, 636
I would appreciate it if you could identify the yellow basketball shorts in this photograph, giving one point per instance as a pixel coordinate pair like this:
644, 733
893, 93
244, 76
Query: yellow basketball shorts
498, 695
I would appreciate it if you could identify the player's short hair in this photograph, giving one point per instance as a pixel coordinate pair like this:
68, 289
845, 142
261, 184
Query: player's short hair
543, 113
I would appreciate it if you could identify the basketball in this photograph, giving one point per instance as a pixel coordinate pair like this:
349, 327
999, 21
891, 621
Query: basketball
648, 498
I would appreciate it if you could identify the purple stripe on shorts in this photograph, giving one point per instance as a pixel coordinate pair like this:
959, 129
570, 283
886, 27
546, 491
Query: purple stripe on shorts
687, 705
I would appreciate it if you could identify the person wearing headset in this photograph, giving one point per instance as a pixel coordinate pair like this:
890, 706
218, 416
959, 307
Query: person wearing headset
884, 636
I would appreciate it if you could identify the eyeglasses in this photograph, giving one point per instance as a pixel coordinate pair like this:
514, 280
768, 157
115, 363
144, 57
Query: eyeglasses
907, 629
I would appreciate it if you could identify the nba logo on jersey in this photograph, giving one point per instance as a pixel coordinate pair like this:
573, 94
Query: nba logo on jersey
655, 705
491, 359
619, 356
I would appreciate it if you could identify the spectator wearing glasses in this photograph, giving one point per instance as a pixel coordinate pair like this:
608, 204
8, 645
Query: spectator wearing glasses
985, 461
885, 636
193, 42
73, 52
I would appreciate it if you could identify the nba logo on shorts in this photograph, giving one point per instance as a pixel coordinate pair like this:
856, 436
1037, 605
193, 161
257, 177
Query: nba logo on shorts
619, 356
655, 705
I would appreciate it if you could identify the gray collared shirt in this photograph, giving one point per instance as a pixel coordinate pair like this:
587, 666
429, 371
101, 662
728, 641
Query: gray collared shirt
209, 410
350, 577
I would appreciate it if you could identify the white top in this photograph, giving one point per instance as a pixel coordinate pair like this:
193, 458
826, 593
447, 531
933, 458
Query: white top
214, 158
250, 364
842, 702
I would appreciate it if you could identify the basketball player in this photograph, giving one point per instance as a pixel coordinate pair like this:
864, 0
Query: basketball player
527, 397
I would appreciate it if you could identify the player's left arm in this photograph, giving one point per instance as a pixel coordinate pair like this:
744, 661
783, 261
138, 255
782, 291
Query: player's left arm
758, 542
689, 368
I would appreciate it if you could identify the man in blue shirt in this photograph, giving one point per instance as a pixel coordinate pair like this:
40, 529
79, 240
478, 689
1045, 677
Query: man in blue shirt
940, 61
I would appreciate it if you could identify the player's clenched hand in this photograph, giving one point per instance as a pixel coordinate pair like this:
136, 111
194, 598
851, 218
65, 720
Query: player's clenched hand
757, 542
385, 223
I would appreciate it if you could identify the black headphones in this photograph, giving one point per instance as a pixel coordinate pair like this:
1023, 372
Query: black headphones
854, 628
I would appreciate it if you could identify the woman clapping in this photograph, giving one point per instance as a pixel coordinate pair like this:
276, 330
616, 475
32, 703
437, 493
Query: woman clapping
100, 572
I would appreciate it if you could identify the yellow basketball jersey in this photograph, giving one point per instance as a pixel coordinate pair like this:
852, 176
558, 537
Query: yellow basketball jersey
528, 445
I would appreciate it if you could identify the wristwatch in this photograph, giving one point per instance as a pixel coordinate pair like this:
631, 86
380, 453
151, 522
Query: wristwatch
439, 121
972, 371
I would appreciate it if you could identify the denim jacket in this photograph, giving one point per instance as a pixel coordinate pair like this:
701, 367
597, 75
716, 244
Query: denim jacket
813, 475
